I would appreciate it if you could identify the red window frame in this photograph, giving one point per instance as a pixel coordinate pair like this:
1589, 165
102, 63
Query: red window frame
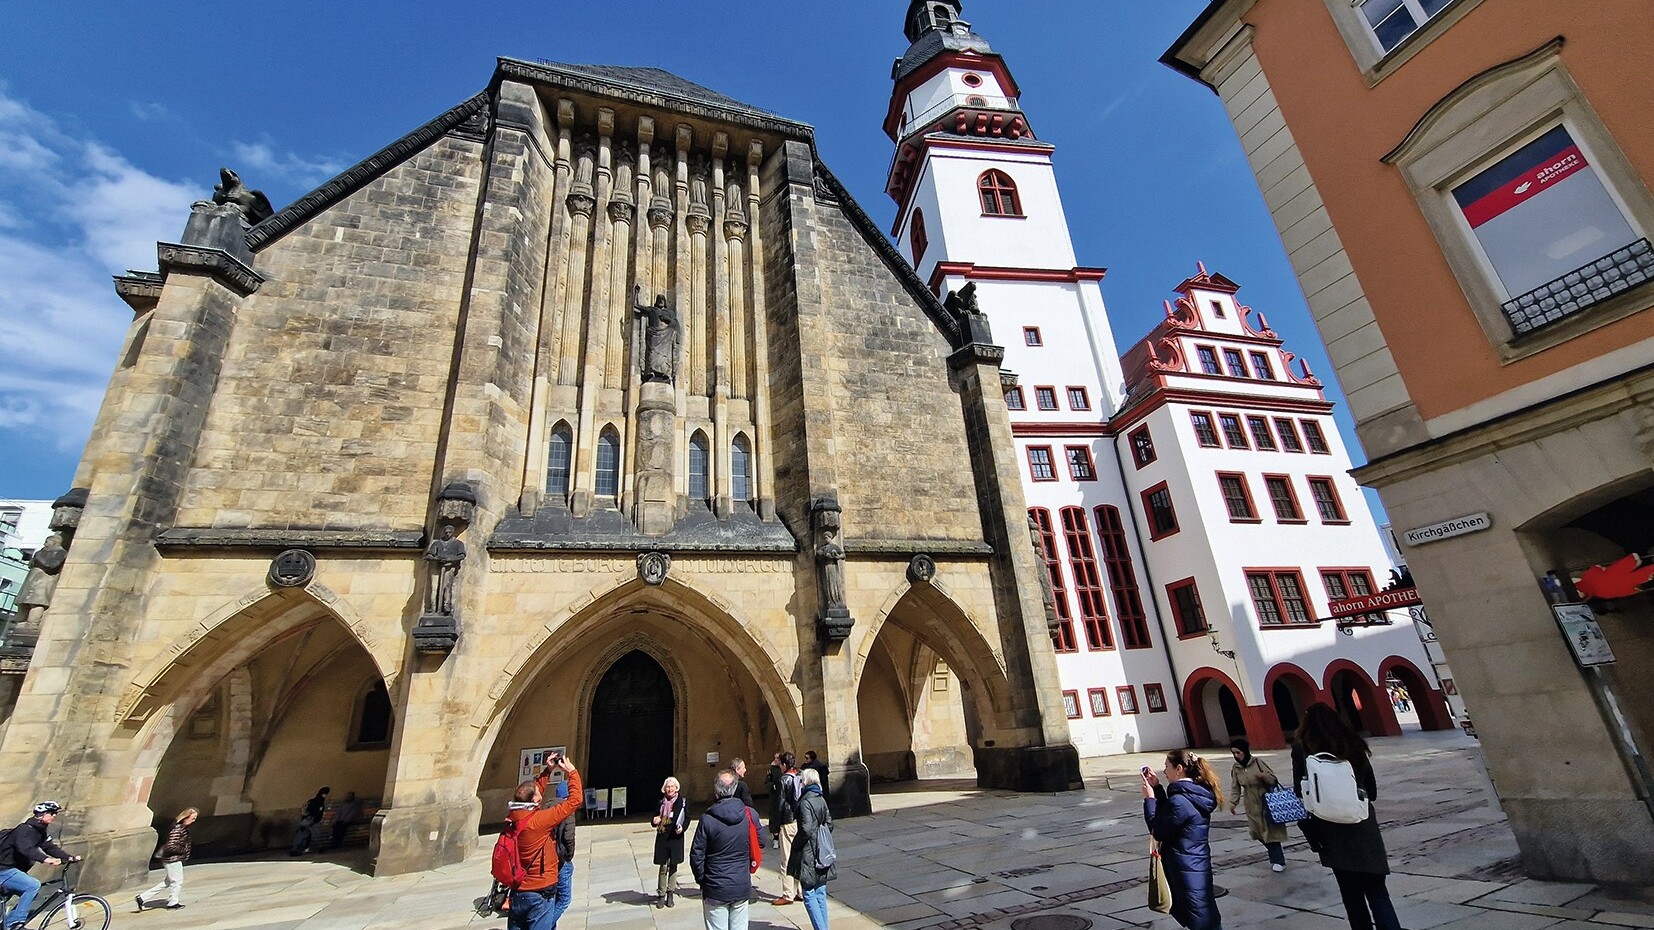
1044, 393
1072, 710
1288, 431
917, 238
1187, 627
1014, 399
1262, 437
1091, 696
1315, 437
1278, 599
1080, 392
1031, 336
1034, 466
1088, 585
1155, 693
1234, 432
1297, 515
1126, 697
1207, 437
1142, 446
1235, 363
1122, 579
1062, 638
1332, 498
1261, 368
998, 194
1207, 356
1156, 531
1347, 578
1245, 488
1081, 466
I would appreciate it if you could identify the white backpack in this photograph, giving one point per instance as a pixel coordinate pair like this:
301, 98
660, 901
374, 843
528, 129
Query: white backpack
1331, 792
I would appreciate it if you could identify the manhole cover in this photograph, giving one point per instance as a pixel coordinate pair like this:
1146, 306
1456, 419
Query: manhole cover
1051, 922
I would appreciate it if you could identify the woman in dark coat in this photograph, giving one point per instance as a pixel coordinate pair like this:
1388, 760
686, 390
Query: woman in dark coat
1354, 851
670, 822
814, 820
1179, 815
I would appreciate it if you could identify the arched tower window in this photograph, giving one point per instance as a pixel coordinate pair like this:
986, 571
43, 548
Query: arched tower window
373, 718
608, 464
740, 470
917, 238
558, 453
999, 194
699, 458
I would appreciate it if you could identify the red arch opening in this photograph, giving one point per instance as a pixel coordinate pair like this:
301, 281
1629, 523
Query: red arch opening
1262, 729
1427, 699
1354, 695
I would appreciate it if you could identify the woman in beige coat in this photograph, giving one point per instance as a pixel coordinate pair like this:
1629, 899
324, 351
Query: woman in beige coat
1249, 778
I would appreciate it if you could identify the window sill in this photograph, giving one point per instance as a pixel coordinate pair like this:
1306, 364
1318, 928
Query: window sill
1245, 519
1044, 480
1099, 649
1153, 537
1143, 465
1314, 625
1130, 713
1087, 478
1004, 216
1335, 523
1143, 646
1391, 61
1197, 634
1285, 522
1207, 445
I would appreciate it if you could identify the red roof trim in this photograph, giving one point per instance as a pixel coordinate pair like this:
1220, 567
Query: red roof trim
974, 61
1163, 396
975, 272
1053, 430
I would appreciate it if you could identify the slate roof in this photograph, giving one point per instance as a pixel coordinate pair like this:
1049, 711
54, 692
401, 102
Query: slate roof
932, 44
657, 81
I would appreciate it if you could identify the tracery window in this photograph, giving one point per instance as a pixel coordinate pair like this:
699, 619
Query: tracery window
999, 194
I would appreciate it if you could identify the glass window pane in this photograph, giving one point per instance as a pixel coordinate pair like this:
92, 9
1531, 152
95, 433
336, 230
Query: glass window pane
698, 459
1391, 21
608, 466
557, 464
740, 471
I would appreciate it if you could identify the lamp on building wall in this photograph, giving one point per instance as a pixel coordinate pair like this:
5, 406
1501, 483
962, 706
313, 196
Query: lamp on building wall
1217, 647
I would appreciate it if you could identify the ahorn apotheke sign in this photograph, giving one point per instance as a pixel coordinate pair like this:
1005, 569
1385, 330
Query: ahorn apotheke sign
1447, 529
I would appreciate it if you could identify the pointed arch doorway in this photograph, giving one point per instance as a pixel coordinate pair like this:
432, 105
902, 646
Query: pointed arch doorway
632, 717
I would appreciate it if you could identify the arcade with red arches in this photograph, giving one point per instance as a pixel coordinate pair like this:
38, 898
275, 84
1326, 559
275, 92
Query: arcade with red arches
1427, 700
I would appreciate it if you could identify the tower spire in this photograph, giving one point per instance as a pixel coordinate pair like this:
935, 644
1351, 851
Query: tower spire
932, 16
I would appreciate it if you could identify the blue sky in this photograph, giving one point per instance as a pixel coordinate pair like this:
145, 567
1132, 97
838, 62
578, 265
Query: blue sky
115, 115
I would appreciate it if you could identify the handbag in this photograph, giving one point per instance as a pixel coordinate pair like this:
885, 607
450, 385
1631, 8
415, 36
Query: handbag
1284, 806
1160, 890
826, 855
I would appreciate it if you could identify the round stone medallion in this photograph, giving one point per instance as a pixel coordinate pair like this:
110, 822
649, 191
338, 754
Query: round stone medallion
1051, 922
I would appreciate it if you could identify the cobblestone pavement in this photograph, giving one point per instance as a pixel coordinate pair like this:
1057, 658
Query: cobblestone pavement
946, 856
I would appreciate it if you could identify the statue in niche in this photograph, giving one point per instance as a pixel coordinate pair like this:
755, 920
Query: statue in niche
443, 558
830, 555
254, 206
660, 338
697, 185
1046, 593
36, 593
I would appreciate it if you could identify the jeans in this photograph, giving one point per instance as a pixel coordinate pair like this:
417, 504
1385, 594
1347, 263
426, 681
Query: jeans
172, 882
815, 904
789, 885
1277, 856
533, 910
565, 891
302, 838
19, 883
1362, 890
721, 916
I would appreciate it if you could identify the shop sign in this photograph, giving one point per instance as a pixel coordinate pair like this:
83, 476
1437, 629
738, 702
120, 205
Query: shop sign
1381, 600
1447, 529
1584, 636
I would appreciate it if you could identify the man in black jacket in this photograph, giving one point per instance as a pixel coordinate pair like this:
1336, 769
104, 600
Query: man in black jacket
721, 857
26, 845
739, 768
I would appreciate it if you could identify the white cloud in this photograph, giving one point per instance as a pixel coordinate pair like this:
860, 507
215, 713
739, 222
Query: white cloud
262, 158
150, 111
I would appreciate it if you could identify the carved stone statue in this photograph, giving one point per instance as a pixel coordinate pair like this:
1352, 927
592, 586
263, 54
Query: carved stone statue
830, 555
652, 567
1046, 593
973, 324
36, 594
442, 561
254, 206
660, 339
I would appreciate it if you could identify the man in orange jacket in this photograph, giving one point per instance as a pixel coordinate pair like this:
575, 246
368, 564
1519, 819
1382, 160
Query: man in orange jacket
531, 902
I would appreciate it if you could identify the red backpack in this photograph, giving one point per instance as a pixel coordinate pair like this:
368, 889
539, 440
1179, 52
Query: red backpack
508, 862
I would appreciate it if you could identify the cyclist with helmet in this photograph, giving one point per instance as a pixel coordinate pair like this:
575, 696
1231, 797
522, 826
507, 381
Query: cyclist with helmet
26, 844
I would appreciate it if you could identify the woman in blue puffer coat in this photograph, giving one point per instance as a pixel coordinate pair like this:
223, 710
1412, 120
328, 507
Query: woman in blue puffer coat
1179, 815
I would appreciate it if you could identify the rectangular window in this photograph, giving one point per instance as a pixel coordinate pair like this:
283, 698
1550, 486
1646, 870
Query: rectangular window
1327, 504
1154, 695
1186, 609
1278, 596
1013, 399
1237, 497
1394, 20
1099, 701
1062, 638
1078, 399
1080, 465
1088, 585
1208, 360
1157, 506
1122, 579
1031, 336
1142, 446
1232, 431
1261, 369
1127, 696
1039, 463
1341, 583
1289, 435
1236, 364
1316, 439
1205, 433
1045, 398
1261, 436
1283, 498
1217, 309
1071, 704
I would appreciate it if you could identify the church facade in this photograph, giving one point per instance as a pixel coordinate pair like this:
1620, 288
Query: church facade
592, 414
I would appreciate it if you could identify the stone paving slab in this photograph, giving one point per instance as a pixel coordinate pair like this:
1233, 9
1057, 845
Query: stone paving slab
950, 857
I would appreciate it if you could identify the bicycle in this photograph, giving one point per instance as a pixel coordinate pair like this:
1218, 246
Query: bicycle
64, 909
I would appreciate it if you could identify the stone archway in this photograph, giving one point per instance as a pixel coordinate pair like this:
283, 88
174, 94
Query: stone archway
1213, 705
633, 717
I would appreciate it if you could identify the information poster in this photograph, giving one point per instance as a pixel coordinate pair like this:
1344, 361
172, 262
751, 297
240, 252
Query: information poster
1584, 636
532, 760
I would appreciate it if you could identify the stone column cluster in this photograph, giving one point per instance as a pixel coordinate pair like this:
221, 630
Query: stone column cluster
629, 213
